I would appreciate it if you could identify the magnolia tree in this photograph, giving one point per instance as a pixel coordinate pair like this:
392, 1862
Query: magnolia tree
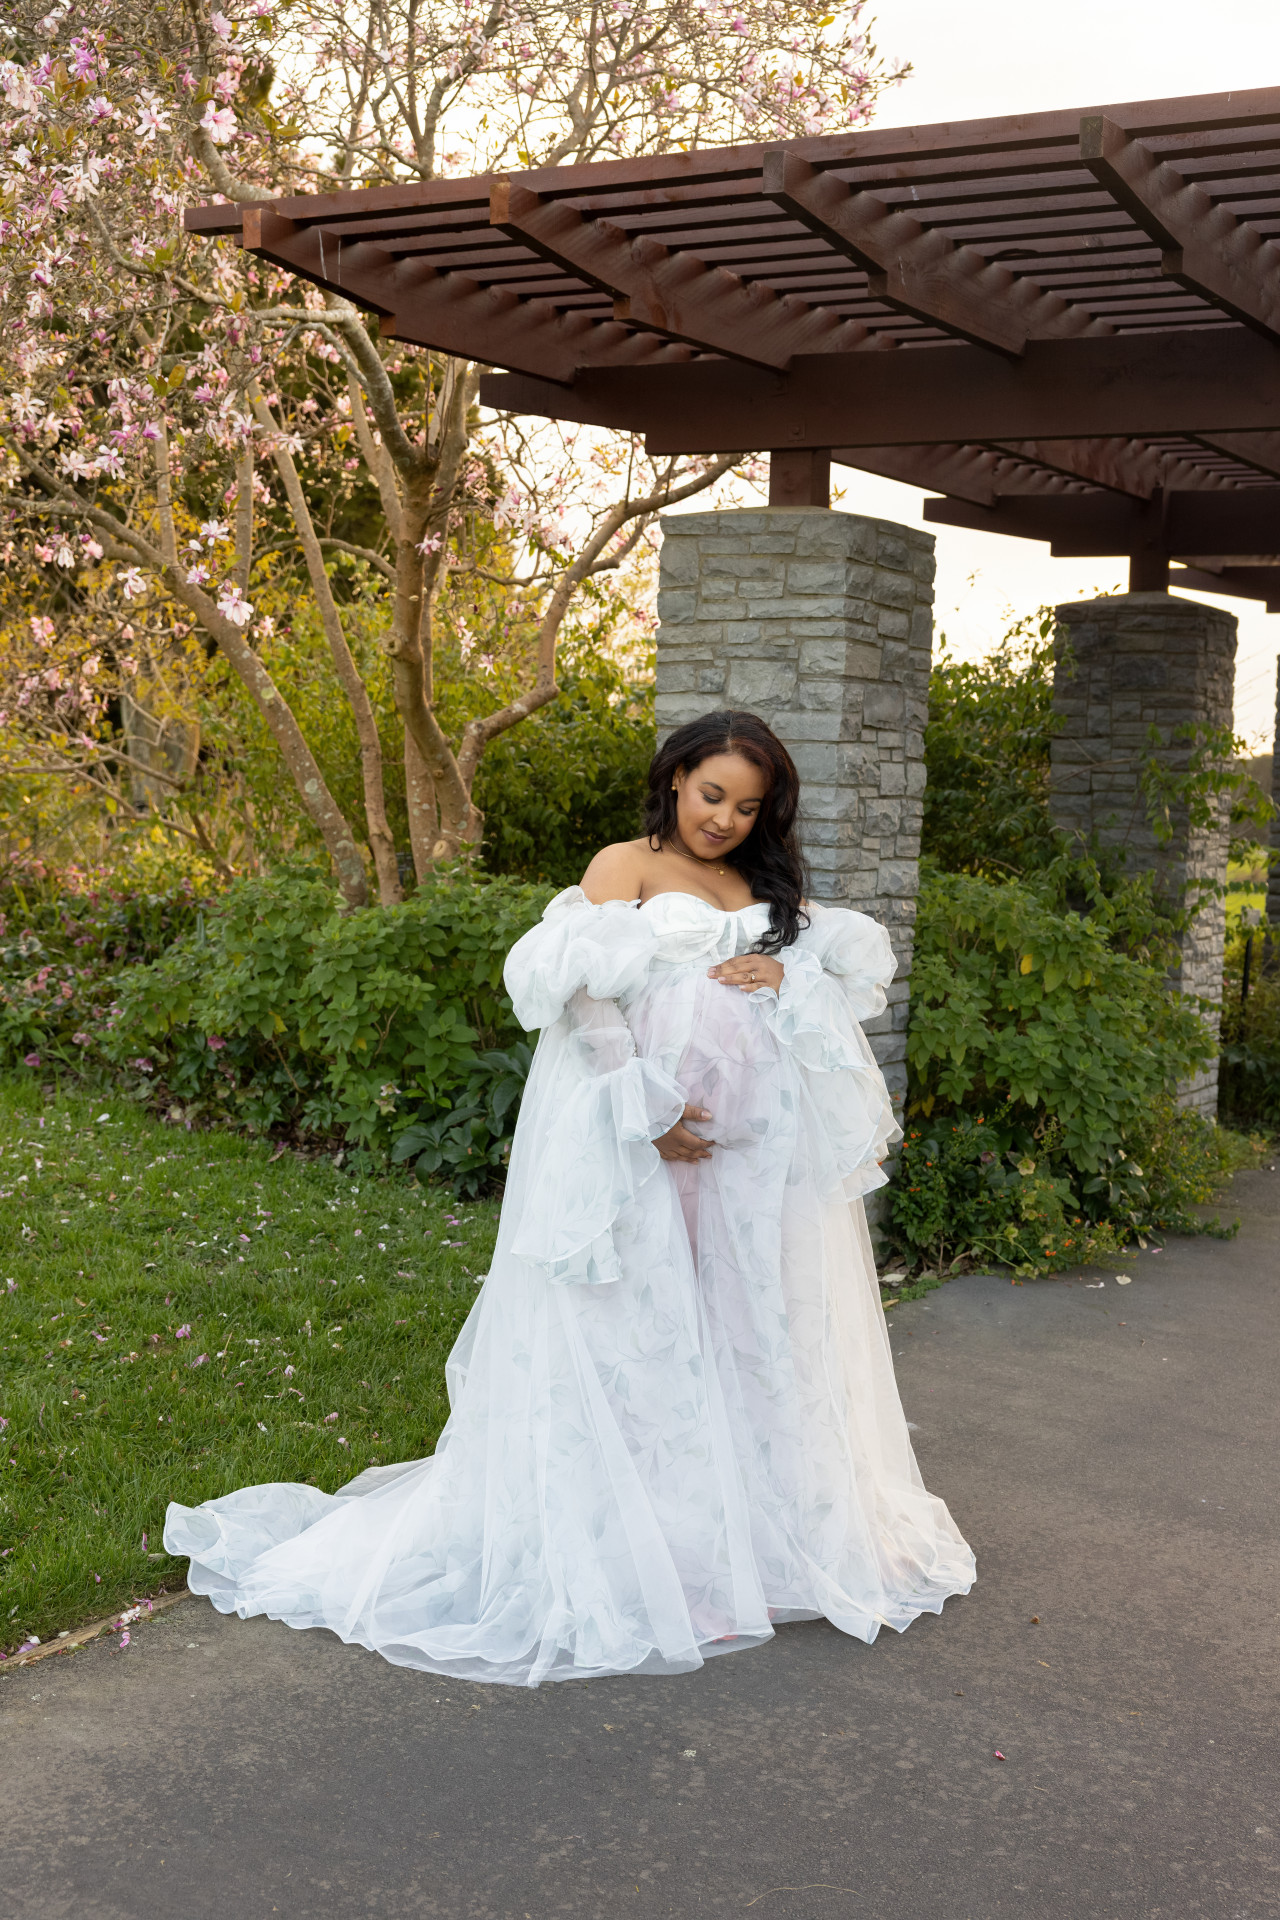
184, 428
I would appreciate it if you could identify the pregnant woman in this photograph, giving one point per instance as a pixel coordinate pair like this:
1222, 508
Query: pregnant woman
674, 1418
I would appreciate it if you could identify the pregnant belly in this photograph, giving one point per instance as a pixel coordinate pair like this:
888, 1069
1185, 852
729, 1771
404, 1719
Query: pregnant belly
720, 1051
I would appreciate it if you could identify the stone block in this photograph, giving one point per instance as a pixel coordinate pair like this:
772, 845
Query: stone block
883, 705
895, 590
892, 550
681, 561
816, 576
676, 604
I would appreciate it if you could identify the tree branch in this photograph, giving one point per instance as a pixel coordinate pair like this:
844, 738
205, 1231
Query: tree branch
377, 459
381, 843
479, 732
244, 517
225, 182
313, 789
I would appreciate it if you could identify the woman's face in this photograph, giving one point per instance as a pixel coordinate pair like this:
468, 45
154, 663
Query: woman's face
717, 802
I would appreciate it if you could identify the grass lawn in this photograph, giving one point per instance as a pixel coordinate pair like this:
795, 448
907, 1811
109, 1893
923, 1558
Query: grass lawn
184, 1313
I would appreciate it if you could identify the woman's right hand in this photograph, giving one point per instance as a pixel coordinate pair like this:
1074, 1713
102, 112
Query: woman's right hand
679, 1143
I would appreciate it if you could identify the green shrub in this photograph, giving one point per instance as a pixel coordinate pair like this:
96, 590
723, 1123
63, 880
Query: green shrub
996, 1189
280, 1011
470, 1143
1016, 1000
971, 1187
568, 781
986, 747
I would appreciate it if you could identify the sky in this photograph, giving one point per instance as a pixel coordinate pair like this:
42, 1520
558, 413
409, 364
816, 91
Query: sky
1015, 56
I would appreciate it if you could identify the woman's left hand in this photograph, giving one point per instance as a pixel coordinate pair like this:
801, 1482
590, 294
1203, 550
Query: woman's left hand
750, 971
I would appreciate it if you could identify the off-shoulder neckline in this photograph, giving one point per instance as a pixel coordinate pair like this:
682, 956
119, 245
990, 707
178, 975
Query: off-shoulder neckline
671, 893
678, 893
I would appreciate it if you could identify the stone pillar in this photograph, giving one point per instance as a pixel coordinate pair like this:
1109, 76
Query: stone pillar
1126, 665
821, 623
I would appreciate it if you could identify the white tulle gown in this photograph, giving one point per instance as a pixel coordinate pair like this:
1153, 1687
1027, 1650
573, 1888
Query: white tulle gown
674, 1418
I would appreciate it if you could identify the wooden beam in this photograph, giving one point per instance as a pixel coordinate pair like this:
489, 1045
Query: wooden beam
1204, 247
800, 479
1245, 583
448, 311
917, 270
1243, 520
1142, 386
670, 291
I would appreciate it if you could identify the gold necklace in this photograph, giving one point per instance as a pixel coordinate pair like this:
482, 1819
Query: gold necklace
686, 855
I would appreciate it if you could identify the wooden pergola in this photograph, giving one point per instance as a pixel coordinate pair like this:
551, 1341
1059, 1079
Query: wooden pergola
1064, 325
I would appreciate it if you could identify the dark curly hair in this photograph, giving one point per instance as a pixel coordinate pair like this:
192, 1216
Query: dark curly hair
769, 859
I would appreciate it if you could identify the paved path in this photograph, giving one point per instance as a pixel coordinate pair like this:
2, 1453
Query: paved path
1111, 1453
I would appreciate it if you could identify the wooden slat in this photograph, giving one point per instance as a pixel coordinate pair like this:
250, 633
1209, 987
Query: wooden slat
447, 311
966, 473
671, 293
1205, 247
1261, 451
1208, 123
919, 270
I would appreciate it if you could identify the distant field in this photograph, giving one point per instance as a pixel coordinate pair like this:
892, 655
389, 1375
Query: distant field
182, 1314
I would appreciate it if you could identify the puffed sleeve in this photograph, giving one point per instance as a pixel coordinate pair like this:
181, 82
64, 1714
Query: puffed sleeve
606, 950
592, 1107
834, 977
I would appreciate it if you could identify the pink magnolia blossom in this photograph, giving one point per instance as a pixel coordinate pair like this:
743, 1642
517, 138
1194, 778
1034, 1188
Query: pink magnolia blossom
233, 606
153, 119
220, 124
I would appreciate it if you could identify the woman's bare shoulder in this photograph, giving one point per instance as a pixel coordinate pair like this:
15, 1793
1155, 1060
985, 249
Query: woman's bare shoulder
616, 872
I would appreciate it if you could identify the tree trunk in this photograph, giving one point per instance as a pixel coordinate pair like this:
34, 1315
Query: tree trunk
424, 815
417, 586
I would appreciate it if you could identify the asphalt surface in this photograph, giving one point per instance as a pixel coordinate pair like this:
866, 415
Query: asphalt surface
1111, 1453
